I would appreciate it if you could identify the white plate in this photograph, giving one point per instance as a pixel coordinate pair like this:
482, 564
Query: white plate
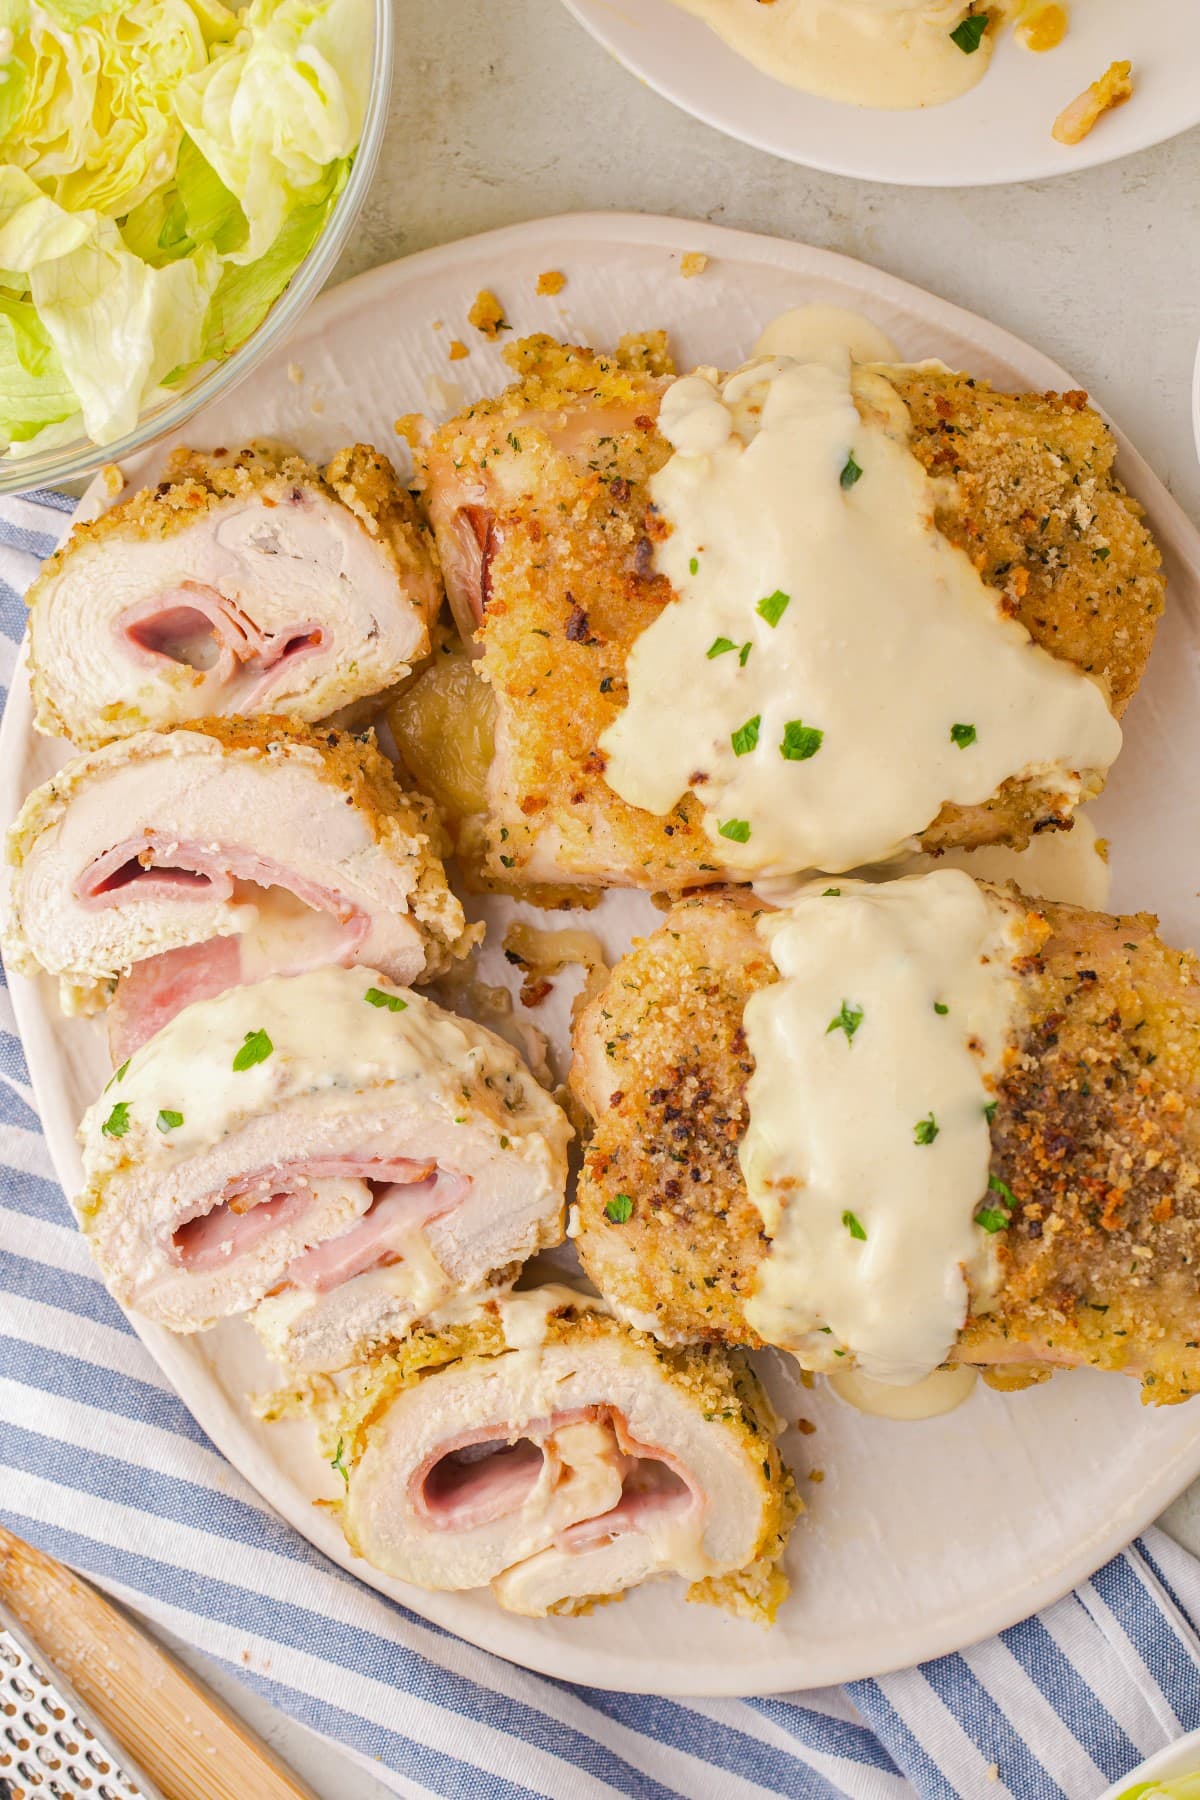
921, 1538
1179, 1758
999, 131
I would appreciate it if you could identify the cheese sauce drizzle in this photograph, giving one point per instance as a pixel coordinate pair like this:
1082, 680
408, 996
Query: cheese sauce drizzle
884, 53
868, 1145
833, 670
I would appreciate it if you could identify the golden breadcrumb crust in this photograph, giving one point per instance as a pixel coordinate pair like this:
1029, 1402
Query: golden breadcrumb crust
1096, 1134
719, 1383
403, 821
563, 459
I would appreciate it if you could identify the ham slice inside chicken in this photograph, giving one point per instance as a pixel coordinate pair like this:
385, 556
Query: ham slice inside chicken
196, 627
404, 1196
486, 1475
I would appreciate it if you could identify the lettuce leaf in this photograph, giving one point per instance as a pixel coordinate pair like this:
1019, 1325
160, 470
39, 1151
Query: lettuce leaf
34, 391
273, 109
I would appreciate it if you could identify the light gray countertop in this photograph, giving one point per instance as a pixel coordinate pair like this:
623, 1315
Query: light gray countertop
510, 112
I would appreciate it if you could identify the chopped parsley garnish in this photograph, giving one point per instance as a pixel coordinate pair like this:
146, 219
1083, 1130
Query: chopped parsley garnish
773, 607
962, 735
169, 1121
508, 861
376, 997
848, 1020
337, 1463
694, 566
256, 1048
1007, 1197
968, 33
800, 741
940, 1007
515, 442
719, 646
619, 1209
992, 1219
1103, 554
746, 736
117, 1122
834, 892
850, 472
853, 1227
925, 1130
989, 1111
118, 1075
744, 654
737, 830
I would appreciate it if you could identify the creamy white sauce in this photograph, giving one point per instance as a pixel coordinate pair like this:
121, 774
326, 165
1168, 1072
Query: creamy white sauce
847, 614
884, 53
941, 1392
323, 1034
809, 333
875, 1254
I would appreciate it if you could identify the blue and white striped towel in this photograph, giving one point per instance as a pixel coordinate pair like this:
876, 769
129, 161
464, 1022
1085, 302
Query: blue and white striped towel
102, 1466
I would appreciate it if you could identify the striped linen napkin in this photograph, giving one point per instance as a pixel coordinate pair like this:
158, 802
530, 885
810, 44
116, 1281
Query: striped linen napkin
102, 1466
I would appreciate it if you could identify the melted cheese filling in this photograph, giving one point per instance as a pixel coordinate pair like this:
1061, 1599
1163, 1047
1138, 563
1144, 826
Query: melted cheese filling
883, 53
868, 1145
833, 670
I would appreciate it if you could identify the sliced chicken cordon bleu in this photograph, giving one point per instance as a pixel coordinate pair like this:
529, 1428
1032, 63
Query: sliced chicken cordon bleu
257, 585
173, 865
809, 615
330, 1149
897, 1126
565, 1463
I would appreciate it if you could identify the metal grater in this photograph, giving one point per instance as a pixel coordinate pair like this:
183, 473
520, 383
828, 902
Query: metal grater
50, 1747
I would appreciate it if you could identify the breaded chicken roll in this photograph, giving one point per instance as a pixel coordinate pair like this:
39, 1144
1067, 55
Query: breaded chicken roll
173, 865
568, 1469
330, 1140
261, 585
815, 1127
804, 616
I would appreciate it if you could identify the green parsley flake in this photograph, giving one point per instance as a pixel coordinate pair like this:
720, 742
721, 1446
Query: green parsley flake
737, 830
962, 735
376, 997
991, 1219
940, 1007
719, 646
1007, 1197
256, 1048
119, 1075
850, 472
744, 654
925, 1130
989, 1111
773, 607
694, 567
853, 1227
746, 736
117, 1122
1102, 555
337, 1463
848, 1020
834, 892
968, 34
619, 1209
169, 1121
800, 741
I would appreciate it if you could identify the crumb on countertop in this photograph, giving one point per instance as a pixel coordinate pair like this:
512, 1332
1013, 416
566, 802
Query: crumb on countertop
551, 281
408, 426
487, 314
817, 1475
805, 1426
456, 350
1076, 120
692, 262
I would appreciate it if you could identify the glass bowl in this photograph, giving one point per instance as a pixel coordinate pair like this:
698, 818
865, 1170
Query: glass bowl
81, 457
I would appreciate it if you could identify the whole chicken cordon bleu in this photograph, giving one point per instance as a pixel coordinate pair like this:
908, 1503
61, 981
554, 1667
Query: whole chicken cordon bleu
253, 585
809, 615
172, 865
896, 1126
329, 1151
563, 1462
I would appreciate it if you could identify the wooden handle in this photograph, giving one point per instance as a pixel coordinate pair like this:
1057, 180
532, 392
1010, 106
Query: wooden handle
183, 1737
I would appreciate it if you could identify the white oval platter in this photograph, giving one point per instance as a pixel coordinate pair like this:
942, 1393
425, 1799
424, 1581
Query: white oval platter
920, 1538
